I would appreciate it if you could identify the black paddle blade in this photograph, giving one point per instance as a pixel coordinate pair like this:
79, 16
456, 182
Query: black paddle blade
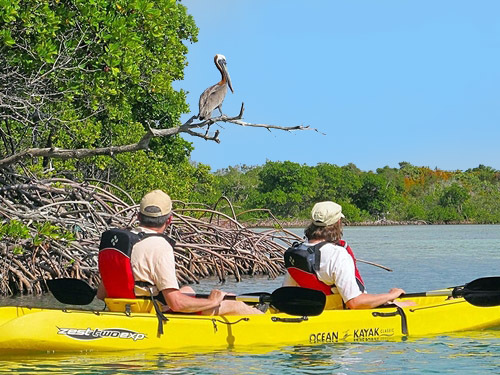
71, 291
298, 301
483, 292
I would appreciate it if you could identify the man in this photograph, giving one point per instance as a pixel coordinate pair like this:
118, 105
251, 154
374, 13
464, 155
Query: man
152, 262
334, 270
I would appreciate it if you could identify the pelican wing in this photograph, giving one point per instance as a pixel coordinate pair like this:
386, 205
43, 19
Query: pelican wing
210, 99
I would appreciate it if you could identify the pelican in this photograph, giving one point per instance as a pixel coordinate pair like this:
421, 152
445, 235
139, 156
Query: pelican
213, 97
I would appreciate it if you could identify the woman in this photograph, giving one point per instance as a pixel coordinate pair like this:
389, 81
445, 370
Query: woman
325, 262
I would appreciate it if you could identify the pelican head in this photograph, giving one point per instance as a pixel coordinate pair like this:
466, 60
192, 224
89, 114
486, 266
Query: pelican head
220, 62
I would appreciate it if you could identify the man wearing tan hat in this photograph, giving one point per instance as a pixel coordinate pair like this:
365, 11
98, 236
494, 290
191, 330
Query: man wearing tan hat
325, 262
153, 264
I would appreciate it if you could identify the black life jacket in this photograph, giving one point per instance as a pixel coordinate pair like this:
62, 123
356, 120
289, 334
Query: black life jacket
302, 262
115, 251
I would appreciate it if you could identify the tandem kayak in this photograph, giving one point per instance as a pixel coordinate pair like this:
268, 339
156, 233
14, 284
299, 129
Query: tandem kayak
26, 329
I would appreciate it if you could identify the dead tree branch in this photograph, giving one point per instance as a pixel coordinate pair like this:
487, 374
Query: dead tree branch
143, 144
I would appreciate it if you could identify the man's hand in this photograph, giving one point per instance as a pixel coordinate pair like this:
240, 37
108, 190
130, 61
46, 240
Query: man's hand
216, 296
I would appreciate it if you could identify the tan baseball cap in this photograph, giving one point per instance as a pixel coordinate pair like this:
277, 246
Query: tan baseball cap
156, 203
326, 213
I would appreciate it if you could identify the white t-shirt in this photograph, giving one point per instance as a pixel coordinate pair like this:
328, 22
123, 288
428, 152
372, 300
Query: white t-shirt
336, 267
153, 261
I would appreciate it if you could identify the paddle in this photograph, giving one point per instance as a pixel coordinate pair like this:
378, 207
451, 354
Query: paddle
71, 291
483, 292
290, 300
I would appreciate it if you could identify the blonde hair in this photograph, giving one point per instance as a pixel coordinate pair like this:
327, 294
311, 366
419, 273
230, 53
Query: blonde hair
331, 233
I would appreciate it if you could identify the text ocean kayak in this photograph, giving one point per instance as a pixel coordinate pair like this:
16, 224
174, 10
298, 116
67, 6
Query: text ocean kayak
69, 330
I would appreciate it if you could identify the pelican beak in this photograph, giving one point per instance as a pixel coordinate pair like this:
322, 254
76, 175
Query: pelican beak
228, 78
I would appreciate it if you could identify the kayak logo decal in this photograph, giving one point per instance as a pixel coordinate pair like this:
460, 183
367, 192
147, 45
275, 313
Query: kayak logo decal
332, 336
96, 333
387, 332
370, 334
362, 334
365, 333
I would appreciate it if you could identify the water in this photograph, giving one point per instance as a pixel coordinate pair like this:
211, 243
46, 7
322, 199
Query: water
422, 258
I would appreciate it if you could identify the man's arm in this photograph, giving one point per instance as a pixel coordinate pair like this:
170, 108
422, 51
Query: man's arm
101, 291
179, 302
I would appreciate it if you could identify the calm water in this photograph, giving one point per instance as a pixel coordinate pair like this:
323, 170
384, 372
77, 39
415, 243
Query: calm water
422, 258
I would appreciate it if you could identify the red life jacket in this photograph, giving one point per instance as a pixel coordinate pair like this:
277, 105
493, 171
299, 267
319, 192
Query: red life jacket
115, 251
359, 279
303, 261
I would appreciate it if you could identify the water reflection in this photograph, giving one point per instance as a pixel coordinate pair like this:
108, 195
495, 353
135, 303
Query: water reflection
471, 353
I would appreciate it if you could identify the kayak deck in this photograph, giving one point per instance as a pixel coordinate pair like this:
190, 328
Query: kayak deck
69, 330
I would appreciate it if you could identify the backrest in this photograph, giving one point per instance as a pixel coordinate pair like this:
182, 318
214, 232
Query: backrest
115, 251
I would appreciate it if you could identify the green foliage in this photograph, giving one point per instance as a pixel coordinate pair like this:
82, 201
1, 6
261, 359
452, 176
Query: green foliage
407, 209
237, 183
454, 196
287, 188
18, 250
34, 235
394, 178
409, 193
485, 173
184, 181
104, 73
47, 231
483, 206
375, 194
14, 229
337, 183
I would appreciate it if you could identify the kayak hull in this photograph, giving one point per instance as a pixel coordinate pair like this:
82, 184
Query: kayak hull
25, 329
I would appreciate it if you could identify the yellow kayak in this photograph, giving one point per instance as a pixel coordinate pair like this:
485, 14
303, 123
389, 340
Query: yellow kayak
25, 329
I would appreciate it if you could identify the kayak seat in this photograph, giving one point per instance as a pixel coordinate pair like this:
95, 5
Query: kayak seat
334, 302
135, 305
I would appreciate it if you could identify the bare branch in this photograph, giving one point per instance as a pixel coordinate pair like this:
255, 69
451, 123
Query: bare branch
143, 143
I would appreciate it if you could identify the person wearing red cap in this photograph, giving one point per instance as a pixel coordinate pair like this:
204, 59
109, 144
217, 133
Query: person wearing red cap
153, 266
325, 262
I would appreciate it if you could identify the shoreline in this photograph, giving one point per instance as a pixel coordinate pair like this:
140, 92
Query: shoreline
270, 223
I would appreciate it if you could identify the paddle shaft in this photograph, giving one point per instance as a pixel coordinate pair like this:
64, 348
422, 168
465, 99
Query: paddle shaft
242, 298
448, 293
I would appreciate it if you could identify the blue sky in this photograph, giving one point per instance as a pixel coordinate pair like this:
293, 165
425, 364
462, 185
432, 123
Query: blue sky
386, 81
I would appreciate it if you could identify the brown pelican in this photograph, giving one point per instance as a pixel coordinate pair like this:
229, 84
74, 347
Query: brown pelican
213, 97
